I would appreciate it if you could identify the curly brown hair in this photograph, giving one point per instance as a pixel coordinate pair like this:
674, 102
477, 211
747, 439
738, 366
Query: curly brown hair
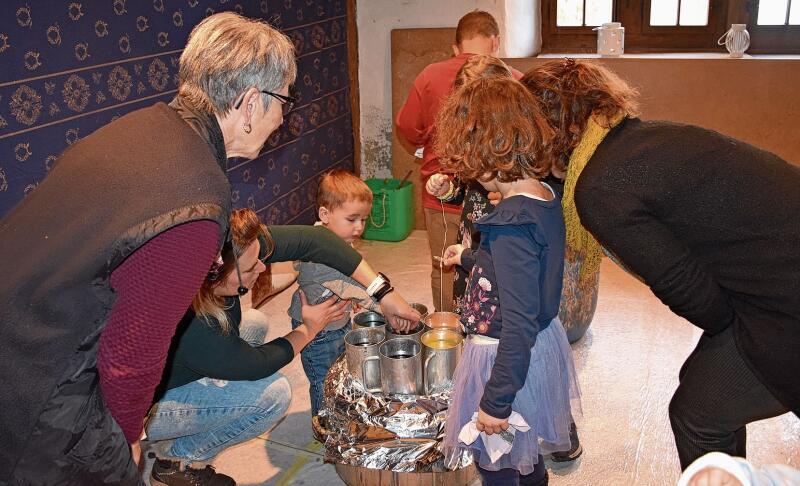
491, 128
570, 92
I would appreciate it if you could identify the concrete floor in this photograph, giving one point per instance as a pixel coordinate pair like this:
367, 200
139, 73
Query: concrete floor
627, 365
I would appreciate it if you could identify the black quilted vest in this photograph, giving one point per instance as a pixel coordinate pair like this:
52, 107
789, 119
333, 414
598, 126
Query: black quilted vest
106, 196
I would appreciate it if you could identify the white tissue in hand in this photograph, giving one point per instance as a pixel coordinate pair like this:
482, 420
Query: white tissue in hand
496, 444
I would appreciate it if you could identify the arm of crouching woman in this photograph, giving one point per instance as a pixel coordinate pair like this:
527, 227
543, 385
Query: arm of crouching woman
319, 245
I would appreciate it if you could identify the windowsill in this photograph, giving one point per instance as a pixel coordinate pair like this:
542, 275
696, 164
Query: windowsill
672, 55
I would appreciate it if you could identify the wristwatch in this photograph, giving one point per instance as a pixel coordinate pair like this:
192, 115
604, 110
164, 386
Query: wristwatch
379, 287
377, 283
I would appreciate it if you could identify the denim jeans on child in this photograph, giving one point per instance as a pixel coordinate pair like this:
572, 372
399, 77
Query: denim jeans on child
317, 359
206, 416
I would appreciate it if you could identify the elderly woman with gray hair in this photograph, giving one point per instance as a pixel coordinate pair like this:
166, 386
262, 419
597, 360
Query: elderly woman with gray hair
103, 259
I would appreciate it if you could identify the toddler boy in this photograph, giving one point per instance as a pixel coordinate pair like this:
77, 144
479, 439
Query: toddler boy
344, 203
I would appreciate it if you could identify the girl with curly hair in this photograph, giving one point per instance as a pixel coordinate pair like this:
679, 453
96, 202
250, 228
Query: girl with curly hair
516, 376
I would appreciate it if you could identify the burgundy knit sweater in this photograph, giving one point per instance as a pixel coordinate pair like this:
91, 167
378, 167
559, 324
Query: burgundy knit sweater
154, 287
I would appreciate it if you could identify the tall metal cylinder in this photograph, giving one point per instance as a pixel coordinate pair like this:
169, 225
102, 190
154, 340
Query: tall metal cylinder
401, 366
361, 349
441, 353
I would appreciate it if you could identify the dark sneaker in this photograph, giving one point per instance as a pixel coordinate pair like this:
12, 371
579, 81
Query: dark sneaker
575, 451
169, 473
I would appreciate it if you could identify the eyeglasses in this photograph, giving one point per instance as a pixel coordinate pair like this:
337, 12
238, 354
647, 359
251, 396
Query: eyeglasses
287, 102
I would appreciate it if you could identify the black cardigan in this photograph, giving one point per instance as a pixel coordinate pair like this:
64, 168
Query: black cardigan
201, 350
711, 225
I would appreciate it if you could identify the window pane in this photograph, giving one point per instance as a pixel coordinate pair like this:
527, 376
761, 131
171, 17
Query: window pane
664, 12
772, 12
794, 15
598, 12
569, 13
694, 12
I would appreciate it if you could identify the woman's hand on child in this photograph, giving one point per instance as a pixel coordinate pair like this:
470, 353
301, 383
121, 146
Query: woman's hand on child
316, 317
401, 316
714, 476
452, 255
438, 184
490, 425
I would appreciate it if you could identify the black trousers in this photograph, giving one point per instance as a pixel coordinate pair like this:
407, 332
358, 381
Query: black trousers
717, 397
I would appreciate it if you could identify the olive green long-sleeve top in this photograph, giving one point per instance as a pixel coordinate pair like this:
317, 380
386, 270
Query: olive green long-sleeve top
199, 349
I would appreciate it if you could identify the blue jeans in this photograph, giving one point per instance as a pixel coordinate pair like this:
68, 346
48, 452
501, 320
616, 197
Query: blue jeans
317, 358
206, 416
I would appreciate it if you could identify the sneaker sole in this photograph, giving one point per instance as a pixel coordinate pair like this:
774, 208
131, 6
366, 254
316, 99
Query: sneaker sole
574, 456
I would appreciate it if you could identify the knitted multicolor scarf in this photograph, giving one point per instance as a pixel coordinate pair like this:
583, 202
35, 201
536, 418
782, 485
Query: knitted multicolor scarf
579, 240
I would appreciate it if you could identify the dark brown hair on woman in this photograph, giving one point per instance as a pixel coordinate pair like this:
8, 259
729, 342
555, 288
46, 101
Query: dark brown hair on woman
492, 128
245, 228
571, 92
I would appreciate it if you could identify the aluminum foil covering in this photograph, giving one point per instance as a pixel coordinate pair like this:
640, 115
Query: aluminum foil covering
399, 433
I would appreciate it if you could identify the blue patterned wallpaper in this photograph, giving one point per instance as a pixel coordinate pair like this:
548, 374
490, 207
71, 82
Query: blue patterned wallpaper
69, 68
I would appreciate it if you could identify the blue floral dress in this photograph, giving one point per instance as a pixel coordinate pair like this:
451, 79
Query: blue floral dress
513, 295
476, 206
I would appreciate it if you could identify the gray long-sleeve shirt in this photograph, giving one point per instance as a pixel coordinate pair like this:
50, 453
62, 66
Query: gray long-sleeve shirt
311, 278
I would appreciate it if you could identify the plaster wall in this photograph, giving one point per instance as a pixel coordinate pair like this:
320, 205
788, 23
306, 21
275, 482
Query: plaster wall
377, 18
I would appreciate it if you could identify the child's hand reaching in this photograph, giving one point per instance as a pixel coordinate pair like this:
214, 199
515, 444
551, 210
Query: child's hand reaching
490, 425
438, 185
452, 255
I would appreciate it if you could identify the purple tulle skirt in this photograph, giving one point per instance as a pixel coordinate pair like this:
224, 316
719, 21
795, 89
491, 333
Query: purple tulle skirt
547, 401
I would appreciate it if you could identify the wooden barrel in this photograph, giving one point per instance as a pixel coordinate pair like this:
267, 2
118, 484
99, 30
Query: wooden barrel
361, 476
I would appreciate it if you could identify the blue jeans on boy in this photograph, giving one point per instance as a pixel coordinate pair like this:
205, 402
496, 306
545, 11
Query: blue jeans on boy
206, 416
317, 359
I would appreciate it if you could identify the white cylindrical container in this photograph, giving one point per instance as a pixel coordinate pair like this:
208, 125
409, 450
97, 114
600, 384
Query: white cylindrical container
736, 40
610, 39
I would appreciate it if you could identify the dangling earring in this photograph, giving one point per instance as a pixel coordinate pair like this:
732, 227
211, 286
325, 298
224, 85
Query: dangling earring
247, 128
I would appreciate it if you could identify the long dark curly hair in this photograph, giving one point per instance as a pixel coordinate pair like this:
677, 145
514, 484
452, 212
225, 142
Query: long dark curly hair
570, 92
